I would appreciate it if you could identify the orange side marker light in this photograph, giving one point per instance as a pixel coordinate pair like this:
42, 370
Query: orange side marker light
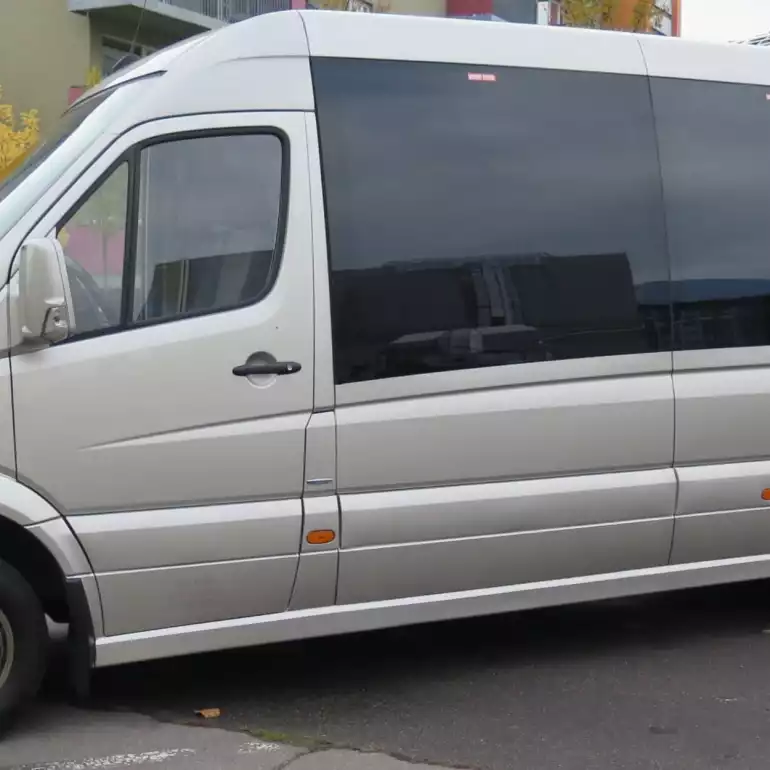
321, 536
766, 494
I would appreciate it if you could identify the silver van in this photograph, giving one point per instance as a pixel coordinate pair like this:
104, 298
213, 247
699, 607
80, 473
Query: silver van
328, 322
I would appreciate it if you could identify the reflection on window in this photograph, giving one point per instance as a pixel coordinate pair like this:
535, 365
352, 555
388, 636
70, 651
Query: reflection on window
410, 319
485, 222
208, 224
93, 239
715, 151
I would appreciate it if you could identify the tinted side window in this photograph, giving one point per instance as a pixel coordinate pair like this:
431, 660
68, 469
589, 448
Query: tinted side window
206, 212
208, 224
715, 153
482, 217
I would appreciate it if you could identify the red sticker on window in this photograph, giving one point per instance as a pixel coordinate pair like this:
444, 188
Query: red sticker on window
478, 77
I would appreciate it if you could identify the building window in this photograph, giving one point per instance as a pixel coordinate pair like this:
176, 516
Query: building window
488, 216
113, 50
550, 12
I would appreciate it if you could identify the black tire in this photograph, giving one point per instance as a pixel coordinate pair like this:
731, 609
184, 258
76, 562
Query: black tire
21, 671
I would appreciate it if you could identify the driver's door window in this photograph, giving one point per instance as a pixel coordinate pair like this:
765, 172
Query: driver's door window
94, 241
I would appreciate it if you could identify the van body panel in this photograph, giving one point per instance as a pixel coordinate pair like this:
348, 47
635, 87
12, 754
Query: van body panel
22, 505
721, 512
321, 455
7, 444
171, 537
457, 41
352, 618
563, 429
723, 417
63, 544
722, 488
421, 569
325, 396
696, 60
409, 543
721, 535
316, 584
284, 84
142, 600
520, 507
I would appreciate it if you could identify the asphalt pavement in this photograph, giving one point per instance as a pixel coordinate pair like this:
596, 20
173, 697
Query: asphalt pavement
678, 682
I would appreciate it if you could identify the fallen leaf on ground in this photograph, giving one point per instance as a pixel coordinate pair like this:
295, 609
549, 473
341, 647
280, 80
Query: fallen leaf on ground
209, 713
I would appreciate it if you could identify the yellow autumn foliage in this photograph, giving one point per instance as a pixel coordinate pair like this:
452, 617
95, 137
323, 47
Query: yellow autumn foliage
17, 138
93, 77
611, 14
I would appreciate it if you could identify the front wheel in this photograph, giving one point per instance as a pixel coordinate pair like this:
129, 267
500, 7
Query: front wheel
23, 643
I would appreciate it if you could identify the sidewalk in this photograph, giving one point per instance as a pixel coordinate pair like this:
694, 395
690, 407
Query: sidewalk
62, 738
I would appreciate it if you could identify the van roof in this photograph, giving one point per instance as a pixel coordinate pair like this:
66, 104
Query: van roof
421, 38
302, 34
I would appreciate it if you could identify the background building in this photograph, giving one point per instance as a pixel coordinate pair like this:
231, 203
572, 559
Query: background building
527, 11
551, 12
47, 47
78, 36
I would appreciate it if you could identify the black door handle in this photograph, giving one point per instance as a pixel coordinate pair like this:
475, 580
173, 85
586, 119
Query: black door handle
279, 368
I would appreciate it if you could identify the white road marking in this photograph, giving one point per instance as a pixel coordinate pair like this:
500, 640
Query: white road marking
116, 760
257, 747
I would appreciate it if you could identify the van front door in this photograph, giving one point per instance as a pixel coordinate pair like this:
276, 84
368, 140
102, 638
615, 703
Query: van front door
170, 427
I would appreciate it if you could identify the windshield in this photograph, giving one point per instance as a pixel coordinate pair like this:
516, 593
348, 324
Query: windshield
78, 128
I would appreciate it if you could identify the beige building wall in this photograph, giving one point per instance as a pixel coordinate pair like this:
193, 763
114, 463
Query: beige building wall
415, 7
44, 49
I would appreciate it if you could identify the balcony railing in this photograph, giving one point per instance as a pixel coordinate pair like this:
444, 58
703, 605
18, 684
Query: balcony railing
230, 10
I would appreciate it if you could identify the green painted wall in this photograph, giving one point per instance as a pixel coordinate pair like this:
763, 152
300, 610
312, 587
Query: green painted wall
44, 49
417, 7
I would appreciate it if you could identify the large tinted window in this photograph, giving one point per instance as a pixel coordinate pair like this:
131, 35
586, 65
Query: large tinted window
481, 217
715, 153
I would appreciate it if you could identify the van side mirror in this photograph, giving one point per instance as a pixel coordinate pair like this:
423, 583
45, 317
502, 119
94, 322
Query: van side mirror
44, 311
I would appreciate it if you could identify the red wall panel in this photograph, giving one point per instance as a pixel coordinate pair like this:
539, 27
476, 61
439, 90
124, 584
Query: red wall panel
469, 7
